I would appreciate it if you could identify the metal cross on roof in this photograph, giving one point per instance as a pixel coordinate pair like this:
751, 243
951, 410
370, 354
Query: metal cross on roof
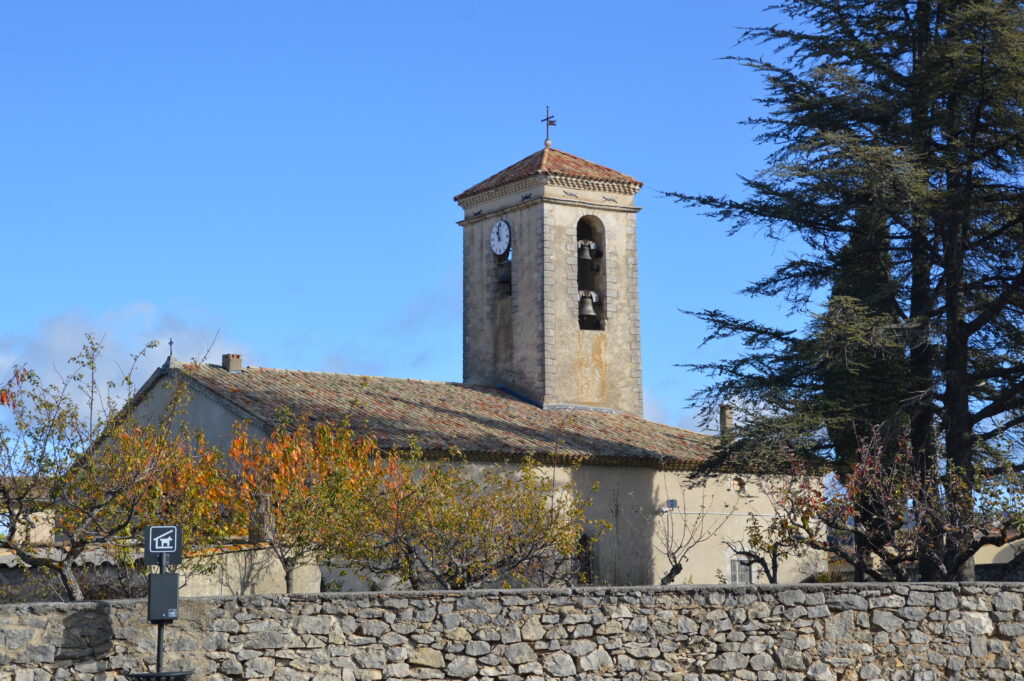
548, 121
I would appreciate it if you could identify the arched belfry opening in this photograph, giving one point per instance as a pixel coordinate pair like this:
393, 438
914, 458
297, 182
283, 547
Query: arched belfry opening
590, 273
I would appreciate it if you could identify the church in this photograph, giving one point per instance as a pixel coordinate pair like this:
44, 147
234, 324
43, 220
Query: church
551, 369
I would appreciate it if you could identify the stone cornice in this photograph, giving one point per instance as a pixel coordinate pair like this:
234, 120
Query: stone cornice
554, 180
593, 185
473, 219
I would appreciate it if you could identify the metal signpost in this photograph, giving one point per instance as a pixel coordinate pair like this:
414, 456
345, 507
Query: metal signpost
163, 548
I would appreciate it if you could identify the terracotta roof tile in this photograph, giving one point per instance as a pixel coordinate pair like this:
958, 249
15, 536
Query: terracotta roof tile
482, 422
549, 161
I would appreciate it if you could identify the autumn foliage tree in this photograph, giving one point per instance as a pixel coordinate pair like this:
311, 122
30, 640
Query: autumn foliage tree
452, 525
291, 488
320, 493
78, 474
881, 515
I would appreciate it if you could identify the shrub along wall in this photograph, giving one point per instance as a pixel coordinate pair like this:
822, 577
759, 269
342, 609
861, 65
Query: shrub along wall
918, 632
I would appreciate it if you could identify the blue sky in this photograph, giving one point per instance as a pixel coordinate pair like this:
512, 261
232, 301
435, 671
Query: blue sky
279, 176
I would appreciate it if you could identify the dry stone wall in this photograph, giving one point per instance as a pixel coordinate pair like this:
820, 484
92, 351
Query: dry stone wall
917, 632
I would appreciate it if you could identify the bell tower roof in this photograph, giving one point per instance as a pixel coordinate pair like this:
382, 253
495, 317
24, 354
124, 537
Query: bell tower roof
554, 163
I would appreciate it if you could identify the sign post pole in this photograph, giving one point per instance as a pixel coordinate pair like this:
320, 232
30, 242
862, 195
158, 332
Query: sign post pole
160, 625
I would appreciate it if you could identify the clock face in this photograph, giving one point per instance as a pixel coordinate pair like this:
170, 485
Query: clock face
501, 237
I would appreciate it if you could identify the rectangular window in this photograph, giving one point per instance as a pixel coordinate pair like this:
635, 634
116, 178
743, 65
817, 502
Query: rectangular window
740, 572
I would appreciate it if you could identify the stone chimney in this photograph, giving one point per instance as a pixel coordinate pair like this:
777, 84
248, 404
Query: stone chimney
232, 363
724, 419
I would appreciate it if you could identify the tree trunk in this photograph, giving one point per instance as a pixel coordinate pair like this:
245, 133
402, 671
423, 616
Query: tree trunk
671, 575
922, 392
959, 439
70, 583
289, 577
922, 302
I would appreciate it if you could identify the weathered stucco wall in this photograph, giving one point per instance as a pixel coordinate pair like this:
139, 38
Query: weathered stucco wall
636, 502
868, 631
594, 368
502, 332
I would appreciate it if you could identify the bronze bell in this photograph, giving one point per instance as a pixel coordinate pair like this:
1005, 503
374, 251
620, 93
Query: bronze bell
587, 307
584, 251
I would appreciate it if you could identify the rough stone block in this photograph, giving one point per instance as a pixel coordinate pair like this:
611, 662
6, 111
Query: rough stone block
370, 657
559, 664
792, 597
727, 662
819, 671
426, 657
886, 620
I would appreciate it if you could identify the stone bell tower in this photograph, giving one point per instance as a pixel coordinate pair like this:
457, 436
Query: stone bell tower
550, 301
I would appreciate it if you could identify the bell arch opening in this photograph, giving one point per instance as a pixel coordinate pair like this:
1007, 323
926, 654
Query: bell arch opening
590, 273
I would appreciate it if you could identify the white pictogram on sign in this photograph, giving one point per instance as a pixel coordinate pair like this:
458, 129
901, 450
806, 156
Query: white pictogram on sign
163, 539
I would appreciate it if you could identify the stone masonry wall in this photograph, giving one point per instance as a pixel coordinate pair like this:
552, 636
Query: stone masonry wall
917, 632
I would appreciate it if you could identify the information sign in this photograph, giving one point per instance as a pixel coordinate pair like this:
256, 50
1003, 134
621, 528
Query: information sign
163, 545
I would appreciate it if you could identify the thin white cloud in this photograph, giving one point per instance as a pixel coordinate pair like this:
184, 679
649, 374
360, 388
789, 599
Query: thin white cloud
662, 411
691, 421
655, 409
438, 306
123, 331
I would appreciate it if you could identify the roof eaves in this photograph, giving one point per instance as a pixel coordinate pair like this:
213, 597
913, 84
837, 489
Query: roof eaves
655, 461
